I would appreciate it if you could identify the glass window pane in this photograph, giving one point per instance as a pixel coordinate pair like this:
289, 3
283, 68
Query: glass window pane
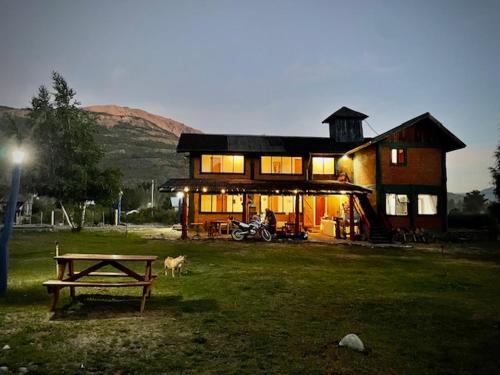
288, 204
206, 166
317, 165
401, 156
286, 165
216, 163
276, 164
265, 164
239, 164
264, 202
328, 166
394, 156
427, 204
297, 165
206, 203
227, 164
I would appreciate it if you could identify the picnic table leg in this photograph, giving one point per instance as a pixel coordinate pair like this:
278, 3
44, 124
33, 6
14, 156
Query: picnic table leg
61, 267
71, 271
147, 276
55, 298
145, 291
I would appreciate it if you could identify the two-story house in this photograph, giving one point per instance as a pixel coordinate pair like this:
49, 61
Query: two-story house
397, 179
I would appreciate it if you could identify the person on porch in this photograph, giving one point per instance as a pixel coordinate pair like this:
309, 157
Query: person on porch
271, 220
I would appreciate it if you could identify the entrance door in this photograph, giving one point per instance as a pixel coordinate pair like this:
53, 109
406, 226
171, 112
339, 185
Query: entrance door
320, 209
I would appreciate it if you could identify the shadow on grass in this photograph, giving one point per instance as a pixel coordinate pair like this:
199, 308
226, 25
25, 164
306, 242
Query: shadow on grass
98, 306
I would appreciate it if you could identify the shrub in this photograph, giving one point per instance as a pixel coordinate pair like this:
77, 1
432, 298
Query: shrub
470, 221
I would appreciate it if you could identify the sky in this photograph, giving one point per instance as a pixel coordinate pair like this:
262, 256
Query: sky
270, 67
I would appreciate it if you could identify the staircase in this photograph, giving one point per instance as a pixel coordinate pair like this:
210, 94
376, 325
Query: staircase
378, 230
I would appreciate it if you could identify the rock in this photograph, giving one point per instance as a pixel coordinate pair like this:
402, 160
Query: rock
4, 369
353, 342
6, 347
23, 370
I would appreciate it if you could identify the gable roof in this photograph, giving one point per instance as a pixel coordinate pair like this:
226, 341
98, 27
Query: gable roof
191, 142
451, 141
344, 112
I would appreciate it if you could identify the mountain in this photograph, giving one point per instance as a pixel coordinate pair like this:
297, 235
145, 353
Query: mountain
489, 193
141, 144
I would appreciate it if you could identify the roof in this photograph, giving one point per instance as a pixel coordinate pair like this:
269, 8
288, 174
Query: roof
238, 186
189, 142
451, 141
344, 112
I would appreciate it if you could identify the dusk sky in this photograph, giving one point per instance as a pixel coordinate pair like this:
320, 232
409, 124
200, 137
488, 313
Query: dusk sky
271, 67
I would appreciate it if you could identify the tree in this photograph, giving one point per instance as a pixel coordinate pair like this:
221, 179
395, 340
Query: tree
68, 156
474, 202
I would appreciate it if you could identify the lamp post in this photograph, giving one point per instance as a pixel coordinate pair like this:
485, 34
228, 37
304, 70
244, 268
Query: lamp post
10, 213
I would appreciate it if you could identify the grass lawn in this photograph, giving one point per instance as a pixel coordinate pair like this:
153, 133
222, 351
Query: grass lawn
259, 308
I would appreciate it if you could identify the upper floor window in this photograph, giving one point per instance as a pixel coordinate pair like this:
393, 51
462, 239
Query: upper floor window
427, 204
221, 203
398, 156
323, 165
396, 204
281, 164
222, 164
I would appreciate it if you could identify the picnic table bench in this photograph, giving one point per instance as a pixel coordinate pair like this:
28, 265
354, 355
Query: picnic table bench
73, 278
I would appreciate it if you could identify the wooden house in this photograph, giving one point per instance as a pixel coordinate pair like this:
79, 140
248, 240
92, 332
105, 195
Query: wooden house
344, 184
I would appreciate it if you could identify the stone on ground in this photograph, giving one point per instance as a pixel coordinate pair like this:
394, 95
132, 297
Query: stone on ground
353, 342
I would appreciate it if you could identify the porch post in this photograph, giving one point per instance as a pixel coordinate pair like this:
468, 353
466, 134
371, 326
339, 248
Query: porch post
245, 208
297, 213
184, 217
351, 217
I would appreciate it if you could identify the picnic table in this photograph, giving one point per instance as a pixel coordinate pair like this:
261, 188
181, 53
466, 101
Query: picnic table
66, 262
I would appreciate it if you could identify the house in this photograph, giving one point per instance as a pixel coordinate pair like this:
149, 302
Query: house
343, 185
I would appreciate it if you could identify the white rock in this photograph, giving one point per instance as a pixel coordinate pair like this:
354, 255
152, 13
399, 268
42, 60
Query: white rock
6, 347
23, 370
4, 369
353, 342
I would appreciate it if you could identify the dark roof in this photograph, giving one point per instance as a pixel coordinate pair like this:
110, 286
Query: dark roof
451, 142
344, 112
236, 186
190, 142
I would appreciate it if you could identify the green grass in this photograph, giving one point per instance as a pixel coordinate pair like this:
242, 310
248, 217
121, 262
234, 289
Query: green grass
259, 308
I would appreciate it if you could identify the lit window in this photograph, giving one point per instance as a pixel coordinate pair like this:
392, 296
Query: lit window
222, 163
281, 164
323, 165
427, 204
221, 203
396, 204
398, 156
279, 203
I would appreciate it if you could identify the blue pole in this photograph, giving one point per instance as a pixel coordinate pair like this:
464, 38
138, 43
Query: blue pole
10, 215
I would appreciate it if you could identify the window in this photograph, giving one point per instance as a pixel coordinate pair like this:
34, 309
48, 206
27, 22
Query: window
221, 203
281, 164
398, 156
323, 165
427, 204
396, 204
222, 163
279, 203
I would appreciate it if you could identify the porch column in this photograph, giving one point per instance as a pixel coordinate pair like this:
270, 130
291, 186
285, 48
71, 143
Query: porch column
184, 217
244, 214
297, 213
351, 217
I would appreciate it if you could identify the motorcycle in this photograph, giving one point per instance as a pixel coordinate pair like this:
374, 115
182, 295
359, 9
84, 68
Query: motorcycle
254, 229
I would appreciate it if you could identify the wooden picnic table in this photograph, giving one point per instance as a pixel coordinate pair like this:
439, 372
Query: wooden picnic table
66, 262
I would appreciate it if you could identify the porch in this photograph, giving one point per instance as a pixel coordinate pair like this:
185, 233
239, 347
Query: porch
329, 207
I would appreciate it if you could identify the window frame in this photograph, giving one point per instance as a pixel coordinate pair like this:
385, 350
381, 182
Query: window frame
396, 197
282, 202
222, 163
200, 211
437, 204
281, 173
324, 157
405, 156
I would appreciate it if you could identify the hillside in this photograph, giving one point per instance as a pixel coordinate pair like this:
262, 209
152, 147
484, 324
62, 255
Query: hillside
141, 144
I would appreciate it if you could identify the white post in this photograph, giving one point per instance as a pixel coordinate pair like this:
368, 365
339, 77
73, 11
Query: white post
52, 218
103, 223
152, 193
57, 254
116, 218
41, 217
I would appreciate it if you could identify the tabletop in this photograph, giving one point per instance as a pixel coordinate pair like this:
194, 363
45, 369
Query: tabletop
81, 256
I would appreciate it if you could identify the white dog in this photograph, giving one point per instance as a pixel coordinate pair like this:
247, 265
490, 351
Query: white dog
175, 264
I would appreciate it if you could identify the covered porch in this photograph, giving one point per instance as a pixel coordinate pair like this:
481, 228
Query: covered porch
330, 207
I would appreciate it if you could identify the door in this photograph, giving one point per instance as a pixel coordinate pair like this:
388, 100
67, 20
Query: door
320, 209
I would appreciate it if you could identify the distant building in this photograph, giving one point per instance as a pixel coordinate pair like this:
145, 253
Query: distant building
344, 181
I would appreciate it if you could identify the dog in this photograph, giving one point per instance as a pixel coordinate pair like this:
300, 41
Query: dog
174, 264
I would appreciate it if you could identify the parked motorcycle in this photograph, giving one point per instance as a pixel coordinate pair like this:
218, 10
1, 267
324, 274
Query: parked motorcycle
254, 229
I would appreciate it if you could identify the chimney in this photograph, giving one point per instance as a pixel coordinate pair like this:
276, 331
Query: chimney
345, 125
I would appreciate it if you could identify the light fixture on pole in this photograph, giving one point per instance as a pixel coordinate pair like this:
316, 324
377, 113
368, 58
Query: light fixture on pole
10, 214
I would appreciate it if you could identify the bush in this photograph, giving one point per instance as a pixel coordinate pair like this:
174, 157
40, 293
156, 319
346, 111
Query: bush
149, 216
470, 221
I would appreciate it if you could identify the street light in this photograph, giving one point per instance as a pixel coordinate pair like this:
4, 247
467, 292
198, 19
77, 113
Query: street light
10, 214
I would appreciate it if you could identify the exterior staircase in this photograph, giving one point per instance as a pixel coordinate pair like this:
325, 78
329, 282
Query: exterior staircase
378, 230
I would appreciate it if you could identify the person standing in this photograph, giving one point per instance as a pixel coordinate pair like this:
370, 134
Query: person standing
271, 220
